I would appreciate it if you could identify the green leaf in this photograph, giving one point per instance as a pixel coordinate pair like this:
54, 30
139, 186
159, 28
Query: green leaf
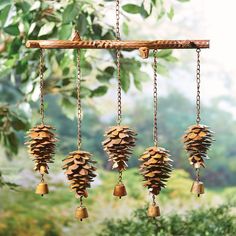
81, 24
183, 0
164, 53
106, 75
131, 8
143, 11
139, 77
100, 91
161, 69
171, 13
69, 13
4, 13
125, 28
13, 143
68, 107
46, 29
125, 80
65, 31
12, 30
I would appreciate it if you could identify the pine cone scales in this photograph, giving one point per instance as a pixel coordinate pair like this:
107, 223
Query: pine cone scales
41, 146
118, 145
155, 168
197, 140
79, 171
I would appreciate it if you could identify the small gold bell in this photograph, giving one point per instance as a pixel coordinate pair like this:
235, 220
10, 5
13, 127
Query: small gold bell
42, 188
153, 211
120, 190
197, 188
81, 213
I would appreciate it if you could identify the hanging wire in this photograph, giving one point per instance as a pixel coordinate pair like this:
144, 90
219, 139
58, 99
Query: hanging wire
41, 73
118, 55
155, 129
198, 80
79, 98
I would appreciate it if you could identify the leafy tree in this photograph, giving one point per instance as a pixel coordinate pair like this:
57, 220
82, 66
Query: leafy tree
21, 20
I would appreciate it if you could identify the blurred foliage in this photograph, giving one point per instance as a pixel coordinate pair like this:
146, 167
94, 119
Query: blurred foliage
212, 221
25, 213
21, 20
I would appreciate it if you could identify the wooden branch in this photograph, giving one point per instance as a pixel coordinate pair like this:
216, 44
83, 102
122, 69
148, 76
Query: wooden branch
114, 44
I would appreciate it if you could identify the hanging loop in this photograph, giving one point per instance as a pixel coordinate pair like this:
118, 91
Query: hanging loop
198, 80
41, 77
155, 128
79, 110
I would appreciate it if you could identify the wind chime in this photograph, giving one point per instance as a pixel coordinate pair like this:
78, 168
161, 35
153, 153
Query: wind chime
120, 139
78, 165
198, 138
41, 144
155, 161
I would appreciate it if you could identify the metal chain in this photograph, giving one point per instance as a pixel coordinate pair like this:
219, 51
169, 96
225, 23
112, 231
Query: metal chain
79, 110
81, 201
155, 129
118, 55
154, 200
198, 79
120, 177
197, 174
41, 72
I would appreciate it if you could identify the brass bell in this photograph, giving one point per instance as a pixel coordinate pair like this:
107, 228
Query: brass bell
197, 188
120, 190
81, 213
153, 211
42, 188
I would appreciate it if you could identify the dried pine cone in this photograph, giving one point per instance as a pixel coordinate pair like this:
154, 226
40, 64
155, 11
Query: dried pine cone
118, 145
79, 171
197, 140
155, 168
41, 146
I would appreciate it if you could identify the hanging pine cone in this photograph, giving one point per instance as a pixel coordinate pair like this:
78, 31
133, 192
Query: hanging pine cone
41, 146
118, 145
197, 140
79, 171
155, 168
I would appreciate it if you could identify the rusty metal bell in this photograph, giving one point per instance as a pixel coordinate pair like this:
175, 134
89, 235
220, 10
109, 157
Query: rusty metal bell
120, 190
81, 213
42, 188
197, 188
153, 211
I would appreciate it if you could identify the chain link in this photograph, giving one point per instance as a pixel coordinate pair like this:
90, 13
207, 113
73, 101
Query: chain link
198, 79
79, 110
197, 174
154, 200
41, 73
120, 177
155, 129
118, 55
